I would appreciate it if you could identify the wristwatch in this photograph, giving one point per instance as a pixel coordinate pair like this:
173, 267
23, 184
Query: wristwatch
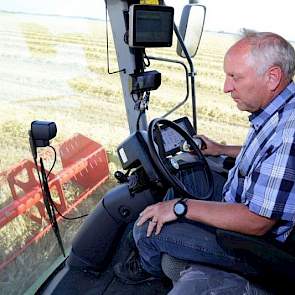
180, 208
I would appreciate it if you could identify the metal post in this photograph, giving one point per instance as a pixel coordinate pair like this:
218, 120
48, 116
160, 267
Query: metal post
126, 59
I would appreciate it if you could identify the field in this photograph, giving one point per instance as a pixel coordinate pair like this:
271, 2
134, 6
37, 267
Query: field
54, 68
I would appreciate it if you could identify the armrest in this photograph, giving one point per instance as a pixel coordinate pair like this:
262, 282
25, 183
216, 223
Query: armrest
262, 254
220, 164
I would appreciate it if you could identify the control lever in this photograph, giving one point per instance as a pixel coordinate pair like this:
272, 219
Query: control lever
198, 141
121, 177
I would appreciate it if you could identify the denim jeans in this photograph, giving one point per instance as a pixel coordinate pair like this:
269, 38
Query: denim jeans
187, 240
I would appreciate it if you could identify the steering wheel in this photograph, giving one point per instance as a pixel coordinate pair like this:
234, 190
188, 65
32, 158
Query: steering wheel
168, 166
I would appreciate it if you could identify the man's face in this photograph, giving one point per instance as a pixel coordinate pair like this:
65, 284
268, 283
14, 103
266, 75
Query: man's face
247, 88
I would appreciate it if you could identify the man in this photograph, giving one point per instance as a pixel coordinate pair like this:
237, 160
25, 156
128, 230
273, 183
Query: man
259, 195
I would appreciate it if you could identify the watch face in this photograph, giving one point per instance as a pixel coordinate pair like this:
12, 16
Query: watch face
179, 209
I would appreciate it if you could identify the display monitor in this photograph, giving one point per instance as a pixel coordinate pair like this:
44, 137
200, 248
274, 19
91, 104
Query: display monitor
150, 26
172, 140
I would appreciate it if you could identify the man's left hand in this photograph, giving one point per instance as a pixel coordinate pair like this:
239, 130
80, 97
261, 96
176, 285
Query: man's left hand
157, 214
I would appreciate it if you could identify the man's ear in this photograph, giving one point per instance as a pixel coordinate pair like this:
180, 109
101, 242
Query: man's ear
274, 77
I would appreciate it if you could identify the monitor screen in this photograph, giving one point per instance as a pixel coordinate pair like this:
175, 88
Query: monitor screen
171, 139
150, 26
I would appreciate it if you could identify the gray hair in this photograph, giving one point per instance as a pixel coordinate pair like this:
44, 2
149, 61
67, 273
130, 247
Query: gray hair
269, 49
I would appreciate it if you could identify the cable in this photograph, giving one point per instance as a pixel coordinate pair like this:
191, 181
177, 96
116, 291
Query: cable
64, 217
143, 105
52, 202
133, 98
43, 182
145, 57
54, 161
68, 218
107, 38
138, 119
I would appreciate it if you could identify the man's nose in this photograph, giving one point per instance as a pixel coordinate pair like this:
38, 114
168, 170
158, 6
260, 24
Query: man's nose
228, 86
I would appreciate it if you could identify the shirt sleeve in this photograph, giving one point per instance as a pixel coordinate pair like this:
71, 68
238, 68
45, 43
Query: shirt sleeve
271, 185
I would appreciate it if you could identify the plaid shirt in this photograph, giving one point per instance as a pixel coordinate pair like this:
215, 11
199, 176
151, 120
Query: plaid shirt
263, 177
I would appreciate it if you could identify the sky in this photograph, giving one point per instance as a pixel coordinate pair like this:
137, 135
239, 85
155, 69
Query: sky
225, 15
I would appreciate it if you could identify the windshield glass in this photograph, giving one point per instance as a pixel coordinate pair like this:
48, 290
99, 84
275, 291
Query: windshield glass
53, 68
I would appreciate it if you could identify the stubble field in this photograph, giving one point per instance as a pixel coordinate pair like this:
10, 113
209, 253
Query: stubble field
55, 69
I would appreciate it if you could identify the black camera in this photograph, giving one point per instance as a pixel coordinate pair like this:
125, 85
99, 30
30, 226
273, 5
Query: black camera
40, 134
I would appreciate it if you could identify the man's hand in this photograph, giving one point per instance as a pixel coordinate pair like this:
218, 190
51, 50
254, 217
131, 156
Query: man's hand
157, 215
212, 148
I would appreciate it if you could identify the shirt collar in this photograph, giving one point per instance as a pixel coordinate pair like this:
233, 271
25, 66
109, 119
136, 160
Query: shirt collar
257, 119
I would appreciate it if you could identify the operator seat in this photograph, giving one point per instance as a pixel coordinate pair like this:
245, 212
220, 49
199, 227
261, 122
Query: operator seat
275, 263
270, 258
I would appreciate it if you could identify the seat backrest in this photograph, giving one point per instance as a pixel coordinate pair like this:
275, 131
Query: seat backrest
289, 244
267, 257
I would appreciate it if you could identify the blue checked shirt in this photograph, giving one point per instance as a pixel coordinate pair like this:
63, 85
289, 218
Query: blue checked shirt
264, 175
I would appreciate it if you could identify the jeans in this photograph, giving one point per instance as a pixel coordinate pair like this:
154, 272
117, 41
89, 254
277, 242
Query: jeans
188, 240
